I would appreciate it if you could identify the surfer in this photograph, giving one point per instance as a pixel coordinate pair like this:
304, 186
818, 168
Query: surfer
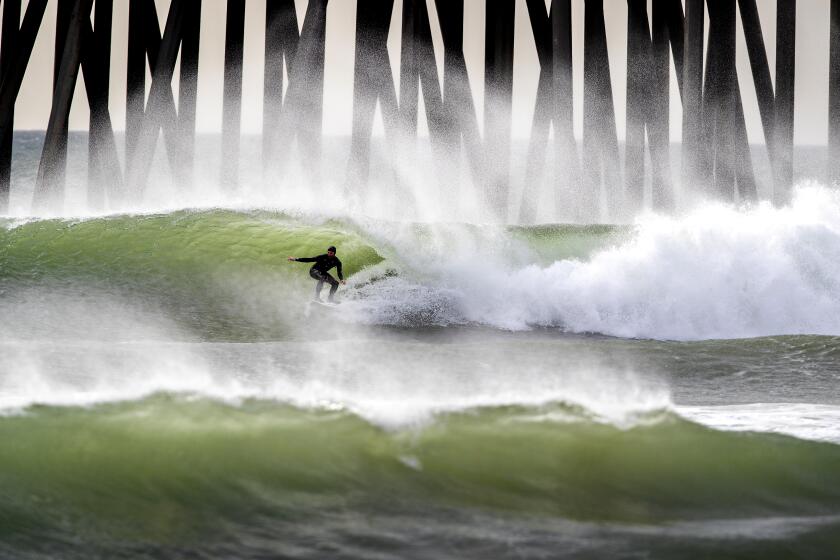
320, 271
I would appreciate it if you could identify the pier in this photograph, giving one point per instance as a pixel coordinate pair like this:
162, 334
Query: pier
715, 151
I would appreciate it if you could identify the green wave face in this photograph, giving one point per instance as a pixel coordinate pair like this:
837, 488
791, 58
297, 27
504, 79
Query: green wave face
184, 246
173, 470
556, 242
178, 244
206, 269
223, 275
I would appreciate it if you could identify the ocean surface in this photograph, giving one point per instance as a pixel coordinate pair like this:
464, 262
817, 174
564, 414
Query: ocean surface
665, 388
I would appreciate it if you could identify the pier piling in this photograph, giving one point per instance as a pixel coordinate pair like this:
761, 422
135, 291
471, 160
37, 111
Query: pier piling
600, 141
8, 48
232, 101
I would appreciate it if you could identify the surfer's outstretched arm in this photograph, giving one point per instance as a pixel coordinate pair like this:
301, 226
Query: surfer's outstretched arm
303, 259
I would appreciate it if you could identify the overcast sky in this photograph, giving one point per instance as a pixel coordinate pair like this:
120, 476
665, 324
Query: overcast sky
811, 61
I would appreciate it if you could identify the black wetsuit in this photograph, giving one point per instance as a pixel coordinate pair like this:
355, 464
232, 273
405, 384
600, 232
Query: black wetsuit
320, 272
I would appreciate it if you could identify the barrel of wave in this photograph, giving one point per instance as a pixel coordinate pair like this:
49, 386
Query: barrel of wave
222, 274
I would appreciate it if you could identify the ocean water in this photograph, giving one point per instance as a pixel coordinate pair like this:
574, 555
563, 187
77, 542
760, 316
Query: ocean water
664, 388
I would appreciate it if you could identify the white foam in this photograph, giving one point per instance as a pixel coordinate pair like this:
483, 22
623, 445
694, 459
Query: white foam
397, 391
392, 384
718, 272
819, 422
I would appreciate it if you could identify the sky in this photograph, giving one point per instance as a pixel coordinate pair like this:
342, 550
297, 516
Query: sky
811, 91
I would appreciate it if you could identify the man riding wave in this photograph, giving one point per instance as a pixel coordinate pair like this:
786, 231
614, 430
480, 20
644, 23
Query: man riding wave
320, 272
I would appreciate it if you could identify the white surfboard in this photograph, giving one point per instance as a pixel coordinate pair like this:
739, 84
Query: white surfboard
326, 303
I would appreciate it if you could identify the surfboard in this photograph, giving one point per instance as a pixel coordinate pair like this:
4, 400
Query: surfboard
326, 303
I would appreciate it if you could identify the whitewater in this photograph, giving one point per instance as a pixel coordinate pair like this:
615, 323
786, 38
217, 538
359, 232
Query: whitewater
667, 385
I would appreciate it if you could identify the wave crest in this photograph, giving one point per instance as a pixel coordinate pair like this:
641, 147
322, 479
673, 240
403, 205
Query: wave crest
718, 272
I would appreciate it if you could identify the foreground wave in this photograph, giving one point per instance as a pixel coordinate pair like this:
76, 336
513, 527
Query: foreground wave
171, 469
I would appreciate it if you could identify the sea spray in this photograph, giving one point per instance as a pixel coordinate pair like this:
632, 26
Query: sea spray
717, 272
